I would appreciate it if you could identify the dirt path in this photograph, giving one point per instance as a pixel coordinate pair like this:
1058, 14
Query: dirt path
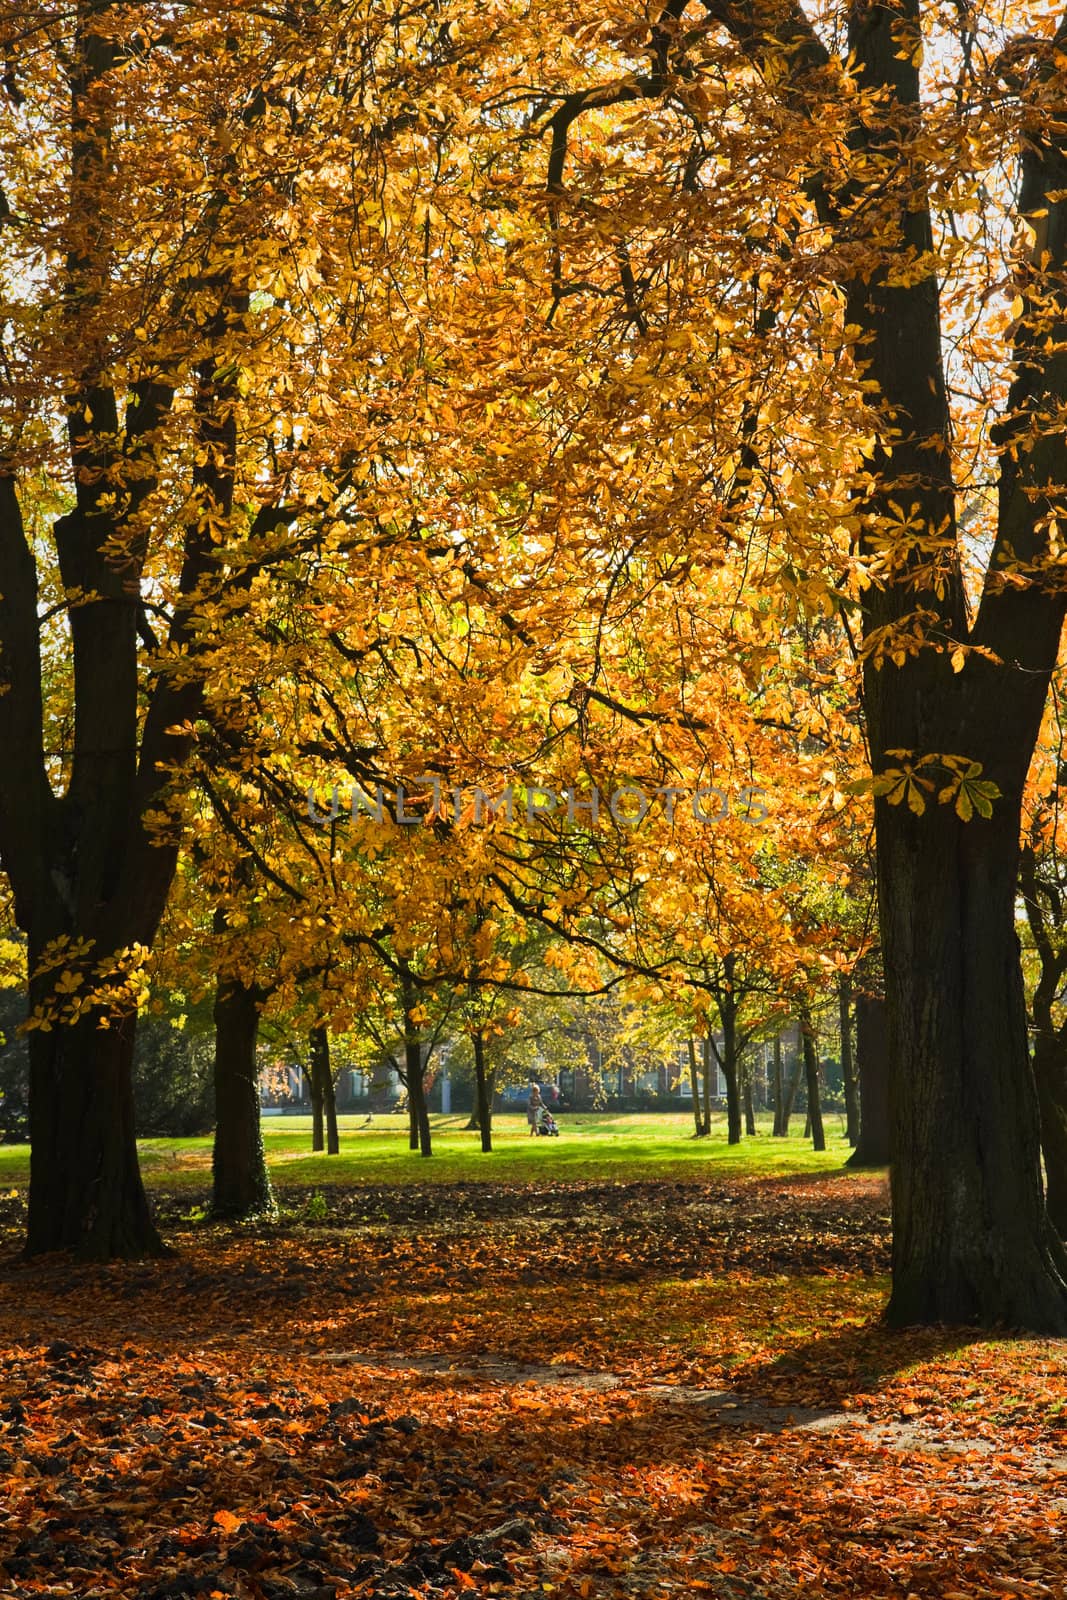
722, 1407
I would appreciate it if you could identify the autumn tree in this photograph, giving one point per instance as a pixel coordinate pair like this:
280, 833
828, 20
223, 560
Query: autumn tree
894, 177
124, 350
199, 210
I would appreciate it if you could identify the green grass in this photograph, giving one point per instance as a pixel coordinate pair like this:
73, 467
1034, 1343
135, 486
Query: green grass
591, 1146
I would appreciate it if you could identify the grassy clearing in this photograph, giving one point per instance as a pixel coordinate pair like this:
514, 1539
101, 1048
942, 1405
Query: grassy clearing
591, 1146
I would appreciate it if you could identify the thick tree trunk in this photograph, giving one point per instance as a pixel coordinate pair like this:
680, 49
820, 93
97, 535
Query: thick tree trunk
848, 1064
811, 1079
781, 1119
92, 864
86, 1193
1050, 1074
972, 1242
971, 1238
483, 1105
694, 1084
240, 1182
872, 1061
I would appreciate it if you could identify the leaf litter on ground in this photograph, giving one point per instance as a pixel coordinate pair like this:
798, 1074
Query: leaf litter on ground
643, 1389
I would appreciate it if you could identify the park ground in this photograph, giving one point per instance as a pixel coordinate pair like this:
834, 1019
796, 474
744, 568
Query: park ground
624, 1363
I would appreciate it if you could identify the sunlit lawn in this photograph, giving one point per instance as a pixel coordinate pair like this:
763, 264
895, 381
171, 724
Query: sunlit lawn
601, 1146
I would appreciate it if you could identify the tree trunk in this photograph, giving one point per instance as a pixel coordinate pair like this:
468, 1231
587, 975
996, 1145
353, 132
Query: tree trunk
1044, 911
88, 866
323, 1093
333, 1138
420, 1119
483, 1106
781, 1117
733, 1102
872, 1062
811, 1078
750, 1109
728, 1060
848, 1065
791, 1091
707, 1046
86, 1193
241, 1185
694, 1084
972, 1241
1050, 1074
318, 1124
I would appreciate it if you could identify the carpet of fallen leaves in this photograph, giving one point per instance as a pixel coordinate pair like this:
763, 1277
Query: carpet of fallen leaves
641, 1390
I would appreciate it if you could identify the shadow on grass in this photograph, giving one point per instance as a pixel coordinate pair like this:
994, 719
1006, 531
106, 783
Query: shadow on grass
799, 1180
849, 1363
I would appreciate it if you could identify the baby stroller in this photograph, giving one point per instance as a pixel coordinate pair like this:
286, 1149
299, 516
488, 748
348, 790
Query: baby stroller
547, 1126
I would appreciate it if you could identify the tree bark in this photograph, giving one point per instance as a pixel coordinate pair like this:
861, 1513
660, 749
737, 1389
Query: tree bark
84, 866
728, 1058
323, 1094
694, 1084
483, 1103
241, 1185
781, 1118
318, 1124
792, 1086
811, 1078
1044, 910
706, 1045
972, 1239
92, 865
972, 1242
733, 1102
728, 1063
848, 1065
333, 1138
872, 1061
750, 1108
1050, 1074
417, 1095
85, 1183
416, 1086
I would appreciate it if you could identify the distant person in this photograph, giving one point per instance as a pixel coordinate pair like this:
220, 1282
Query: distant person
534, 1107
548, 1124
